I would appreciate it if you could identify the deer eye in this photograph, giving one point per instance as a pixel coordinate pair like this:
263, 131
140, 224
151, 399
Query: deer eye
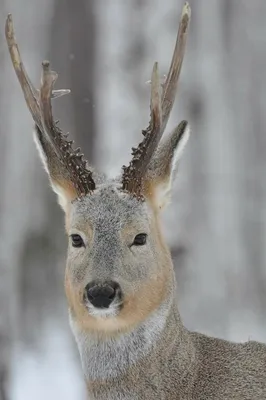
77, 241
140, 239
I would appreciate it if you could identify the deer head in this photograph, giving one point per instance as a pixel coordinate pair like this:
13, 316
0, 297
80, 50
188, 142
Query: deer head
118, 267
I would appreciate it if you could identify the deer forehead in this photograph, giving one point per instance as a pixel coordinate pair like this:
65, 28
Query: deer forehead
108, 209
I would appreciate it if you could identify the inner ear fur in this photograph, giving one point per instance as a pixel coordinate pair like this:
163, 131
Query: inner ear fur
163, 166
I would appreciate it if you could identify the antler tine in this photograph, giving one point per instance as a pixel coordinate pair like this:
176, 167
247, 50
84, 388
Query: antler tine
31, 94
170, 86
39, 104
155, 106
160, 111
47, 81
29, 91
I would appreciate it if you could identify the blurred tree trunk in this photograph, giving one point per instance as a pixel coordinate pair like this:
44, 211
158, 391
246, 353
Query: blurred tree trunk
6, 272
72, 49
122, 70
247, 32
222, 219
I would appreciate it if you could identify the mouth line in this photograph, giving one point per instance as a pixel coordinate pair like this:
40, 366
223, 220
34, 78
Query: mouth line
110, 312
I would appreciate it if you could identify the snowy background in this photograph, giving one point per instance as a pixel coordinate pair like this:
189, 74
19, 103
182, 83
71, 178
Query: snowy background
216, 226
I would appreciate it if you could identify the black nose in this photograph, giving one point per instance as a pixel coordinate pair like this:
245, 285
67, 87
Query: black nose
101, 295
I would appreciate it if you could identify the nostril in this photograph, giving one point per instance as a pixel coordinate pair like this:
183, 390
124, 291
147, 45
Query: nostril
109, 291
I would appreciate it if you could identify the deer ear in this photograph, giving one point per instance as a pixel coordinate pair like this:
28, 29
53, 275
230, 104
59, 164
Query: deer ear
163, 165
60, 181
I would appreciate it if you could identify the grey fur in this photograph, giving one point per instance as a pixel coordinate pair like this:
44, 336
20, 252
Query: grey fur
188, 365
156, 357
108, 255
110, 358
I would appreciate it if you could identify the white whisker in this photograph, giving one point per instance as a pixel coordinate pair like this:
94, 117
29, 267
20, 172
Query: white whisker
110, 312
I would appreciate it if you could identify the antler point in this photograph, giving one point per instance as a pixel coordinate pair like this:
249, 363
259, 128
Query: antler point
46, 64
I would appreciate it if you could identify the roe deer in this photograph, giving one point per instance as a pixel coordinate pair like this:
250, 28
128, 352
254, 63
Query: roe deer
119, 279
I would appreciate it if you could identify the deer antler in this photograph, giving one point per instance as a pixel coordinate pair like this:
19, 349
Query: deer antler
39, 105
161, 107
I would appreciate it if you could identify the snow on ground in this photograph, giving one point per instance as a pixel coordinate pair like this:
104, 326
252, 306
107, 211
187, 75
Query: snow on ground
51, 373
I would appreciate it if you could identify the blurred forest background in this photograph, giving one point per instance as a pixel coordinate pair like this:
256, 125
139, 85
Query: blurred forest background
216, 226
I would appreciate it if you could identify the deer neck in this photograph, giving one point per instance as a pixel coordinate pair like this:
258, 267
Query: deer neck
109, 358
